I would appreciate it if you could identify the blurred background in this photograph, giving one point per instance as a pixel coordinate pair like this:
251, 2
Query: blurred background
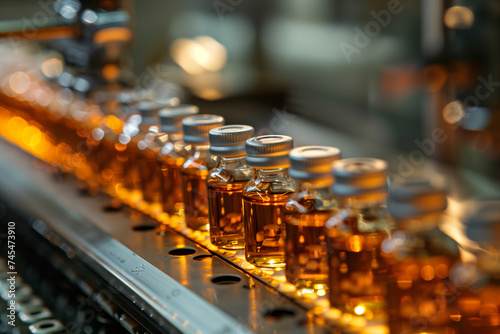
407, 81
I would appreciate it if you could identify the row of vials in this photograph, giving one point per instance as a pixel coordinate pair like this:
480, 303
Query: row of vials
327, 222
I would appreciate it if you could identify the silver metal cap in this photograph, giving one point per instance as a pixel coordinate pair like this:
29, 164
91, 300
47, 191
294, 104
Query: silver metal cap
171, 117
270, 151
360, 177
416, 197
313, 163
196, 127
229, 140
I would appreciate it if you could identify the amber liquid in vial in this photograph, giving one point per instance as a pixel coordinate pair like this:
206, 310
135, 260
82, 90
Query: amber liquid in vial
149, 175
226, 228
306, 249
421, 297
194, 188
264, 215
131, 177
170, 184
479, 302
357, 270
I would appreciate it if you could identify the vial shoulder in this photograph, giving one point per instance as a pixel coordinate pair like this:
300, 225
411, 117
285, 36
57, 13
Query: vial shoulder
430, 243
230, 175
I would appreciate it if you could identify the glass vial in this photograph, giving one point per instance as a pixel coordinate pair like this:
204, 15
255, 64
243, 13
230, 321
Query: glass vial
420, 257
195, 170
134, 130
225, 185
307, 212
357, 270
172, 156
264, 199
478, 277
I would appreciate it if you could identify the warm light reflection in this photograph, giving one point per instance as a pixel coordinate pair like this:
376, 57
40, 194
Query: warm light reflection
110, 72
199, 55
427, 273
458, 17
31, 136
19, 82
453, 112
15, 126
52, 68
115, 34
355, 243
209, 94
360, 309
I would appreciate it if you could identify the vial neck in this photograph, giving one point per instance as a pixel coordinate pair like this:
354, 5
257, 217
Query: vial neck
230, 163
270, 173
148, 127
313, 187
361, 202
201, 151
173, 137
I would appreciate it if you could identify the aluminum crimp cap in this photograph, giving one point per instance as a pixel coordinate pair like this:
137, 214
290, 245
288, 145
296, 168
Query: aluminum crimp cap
149, 111
196, 127
359, 176
313, 163
269, 151
171, 117
229, 140
417, 196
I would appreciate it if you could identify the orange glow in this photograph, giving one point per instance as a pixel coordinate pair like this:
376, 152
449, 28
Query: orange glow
4, 118
469, 306
110, 72
404, 284
107, 175
360, 309
113, 122
434, 76
209, 94
15, 126
442, 270
355, 243
120, 147
112, 34
427, 273
413, 271
31, 136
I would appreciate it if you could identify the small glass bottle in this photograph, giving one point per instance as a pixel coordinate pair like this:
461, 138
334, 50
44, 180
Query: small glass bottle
225, 185
172, 156
357, 270
307, 212
264, 199
134, 130
420, 257
195, 170
478, 277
